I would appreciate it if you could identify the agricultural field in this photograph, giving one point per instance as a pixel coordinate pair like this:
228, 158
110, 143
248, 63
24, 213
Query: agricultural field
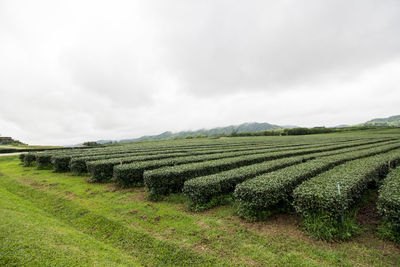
315, 200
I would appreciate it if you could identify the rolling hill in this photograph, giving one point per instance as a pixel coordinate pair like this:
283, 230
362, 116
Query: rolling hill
389, 121
244, 127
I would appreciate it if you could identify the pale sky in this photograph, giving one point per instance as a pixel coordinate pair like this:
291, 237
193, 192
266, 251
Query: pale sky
73, 71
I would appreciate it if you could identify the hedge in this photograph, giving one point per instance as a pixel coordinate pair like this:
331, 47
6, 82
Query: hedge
389, 198
200, 190
29, 158
320, 194
59, 160
79, 164
266, 191
61, 163
102, 170
171, 179
43, 159
129, 174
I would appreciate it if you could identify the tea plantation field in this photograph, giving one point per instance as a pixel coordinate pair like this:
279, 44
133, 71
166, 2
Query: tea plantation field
316, 200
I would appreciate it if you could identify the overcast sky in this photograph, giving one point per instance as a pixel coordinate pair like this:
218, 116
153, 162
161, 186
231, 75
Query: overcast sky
72, 71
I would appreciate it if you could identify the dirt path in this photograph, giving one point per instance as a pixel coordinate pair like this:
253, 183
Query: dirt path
9, 154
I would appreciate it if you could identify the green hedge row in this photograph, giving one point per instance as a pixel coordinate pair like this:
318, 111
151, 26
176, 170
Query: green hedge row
200, 190
320, 195
60, 156
29, 158
171, 179
43, 159
102, 170
266, 191
62, 161
129, 174
75, 152
79, 164
389, 198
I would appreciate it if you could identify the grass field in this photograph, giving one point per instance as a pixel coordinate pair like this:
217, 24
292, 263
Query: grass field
59, 219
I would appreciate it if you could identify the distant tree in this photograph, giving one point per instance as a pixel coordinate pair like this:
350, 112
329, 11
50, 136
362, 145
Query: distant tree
91, 144
234, 133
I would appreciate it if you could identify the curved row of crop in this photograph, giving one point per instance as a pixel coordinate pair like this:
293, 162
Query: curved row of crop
202, 189
266, 191
79, 164
162, 181
334, 192
389, 199
129, 170
61, 160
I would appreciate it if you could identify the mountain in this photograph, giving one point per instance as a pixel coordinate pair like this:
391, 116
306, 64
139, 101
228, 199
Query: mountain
341, 126
389, 121
245, 127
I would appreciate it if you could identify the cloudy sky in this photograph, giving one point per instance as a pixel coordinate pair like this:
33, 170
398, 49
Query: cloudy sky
73, 71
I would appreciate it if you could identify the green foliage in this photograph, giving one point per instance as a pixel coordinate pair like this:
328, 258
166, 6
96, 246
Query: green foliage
330, 228
265, 191
389, 230
320, 194
78, 158
251, 213
126, 174
102, 170
303, 131
79, 164
92, 144
43, 160
29, 158
171, 179
202, 189
60, 163
389, 199
219, 200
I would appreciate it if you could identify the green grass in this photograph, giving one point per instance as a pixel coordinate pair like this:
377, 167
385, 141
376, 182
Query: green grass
58, 219
325, 227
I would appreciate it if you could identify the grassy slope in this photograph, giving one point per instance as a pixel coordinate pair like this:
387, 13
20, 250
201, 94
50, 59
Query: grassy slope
99, 224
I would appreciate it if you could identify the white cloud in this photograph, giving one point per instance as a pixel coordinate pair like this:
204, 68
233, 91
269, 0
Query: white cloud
84, 70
